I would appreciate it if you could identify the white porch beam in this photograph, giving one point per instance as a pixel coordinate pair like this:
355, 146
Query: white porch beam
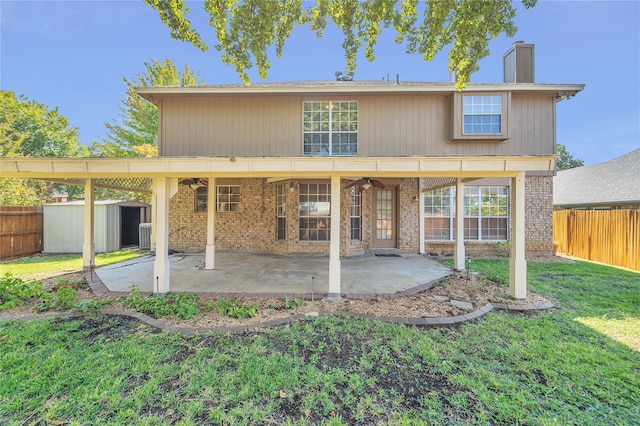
518, 264
459, 224
161, 269
277, 167
88, 246
335, 289
210, 251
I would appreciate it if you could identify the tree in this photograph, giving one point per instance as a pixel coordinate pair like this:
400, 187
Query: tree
29, 128
245, 30
137, 134
565, 160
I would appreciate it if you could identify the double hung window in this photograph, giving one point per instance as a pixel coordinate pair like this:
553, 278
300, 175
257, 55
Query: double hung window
330, 128
486, 213
314, 215
482, 115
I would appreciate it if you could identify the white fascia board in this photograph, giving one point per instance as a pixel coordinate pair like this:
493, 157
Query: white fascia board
151, 93
309, 167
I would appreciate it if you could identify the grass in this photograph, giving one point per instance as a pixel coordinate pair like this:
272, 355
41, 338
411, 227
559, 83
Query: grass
566, 366
33, 266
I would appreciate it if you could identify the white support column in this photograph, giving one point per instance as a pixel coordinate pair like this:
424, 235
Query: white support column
161, 268
154, 218
518, 264
421, 218
459, 242
210, 251
88, 246
335, 289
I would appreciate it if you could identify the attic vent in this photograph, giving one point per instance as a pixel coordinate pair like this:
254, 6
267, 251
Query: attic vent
344, 77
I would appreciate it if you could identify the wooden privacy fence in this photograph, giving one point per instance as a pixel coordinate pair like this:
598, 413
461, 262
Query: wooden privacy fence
20, 231
607, 236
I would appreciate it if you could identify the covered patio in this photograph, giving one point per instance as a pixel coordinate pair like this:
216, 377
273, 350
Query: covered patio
330, 275
240, 274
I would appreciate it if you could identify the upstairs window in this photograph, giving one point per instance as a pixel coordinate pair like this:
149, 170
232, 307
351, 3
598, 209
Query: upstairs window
482, 115
330, 128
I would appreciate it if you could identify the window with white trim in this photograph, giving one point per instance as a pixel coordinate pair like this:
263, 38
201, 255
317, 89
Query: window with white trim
330, 128
482, 115
201, 195
281, 216
486, 213
228, 198
355, 213
314, 214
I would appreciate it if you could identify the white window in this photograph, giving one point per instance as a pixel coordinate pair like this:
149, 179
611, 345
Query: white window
330, 127
281, 213
355, 210
482, 115
228, 198
486, 213
201, 195
314, 215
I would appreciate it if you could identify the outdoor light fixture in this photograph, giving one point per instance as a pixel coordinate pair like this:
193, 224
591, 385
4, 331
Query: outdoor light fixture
292, 186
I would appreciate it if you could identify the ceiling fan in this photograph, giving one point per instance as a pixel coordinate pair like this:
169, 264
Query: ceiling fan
194, 182
366, 183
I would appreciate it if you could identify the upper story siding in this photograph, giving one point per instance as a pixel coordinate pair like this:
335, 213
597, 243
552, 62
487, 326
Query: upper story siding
389, 124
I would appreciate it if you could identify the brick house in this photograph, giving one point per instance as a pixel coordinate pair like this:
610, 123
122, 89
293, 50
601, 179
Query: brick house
346, 167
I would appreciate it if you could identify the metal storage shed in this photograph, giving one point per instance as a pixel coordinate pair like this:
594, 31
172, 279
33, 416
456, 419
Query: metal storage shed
116, 225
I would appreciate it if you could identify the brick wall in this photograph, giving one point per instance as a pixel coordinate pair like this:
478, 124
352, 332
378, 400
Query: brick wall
408, 216
538, 214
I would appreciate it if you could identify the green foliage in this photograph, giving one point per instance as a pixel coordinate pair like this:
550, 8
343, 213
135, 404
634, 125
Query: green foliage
14, 291
565, 160
89, 305
235, 308
293, 303
246, 31
65, 298
47, 302
182, 306
137, 133
552, 367
29, 128
48, 265
504, 248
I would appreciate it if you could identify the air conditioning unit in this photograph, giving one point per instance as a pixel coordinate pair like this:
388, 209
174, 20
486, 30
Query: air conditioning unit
145, 236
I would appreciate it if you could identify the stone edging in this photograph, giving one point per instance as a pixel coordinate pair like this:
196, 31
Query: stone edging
190, 331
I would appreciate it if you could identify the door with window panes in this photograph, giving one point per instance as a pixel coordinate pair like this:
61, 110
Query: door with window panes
384, 231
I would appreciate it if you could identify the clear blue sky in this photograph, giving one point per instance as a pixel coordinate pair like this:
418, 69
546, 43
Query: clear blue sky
74, 54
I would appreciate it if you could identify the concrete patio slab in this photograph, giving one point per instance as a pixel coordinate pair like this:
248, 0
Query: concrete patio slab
246, 273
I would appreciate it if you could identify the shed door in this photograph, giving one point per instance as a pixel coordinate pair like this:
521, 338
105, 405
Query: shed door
384, 218
130, 220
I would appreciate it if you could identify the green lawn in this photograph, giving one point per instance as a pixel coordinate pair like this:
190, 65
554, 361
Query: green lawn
576, 365
46, 265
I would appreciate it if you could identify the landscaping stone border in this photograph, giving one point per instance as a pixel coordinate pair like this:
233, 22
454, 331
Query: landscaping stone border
191, 331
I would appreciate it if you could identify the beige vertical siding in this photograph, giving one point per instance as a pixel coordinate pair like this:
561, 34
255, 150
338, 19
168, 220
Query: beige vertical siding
389, 125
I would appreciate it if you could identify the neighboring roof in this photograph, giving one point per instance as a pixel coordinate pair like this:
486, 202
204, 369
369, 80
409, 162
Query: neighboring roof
612, 182
562, 91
